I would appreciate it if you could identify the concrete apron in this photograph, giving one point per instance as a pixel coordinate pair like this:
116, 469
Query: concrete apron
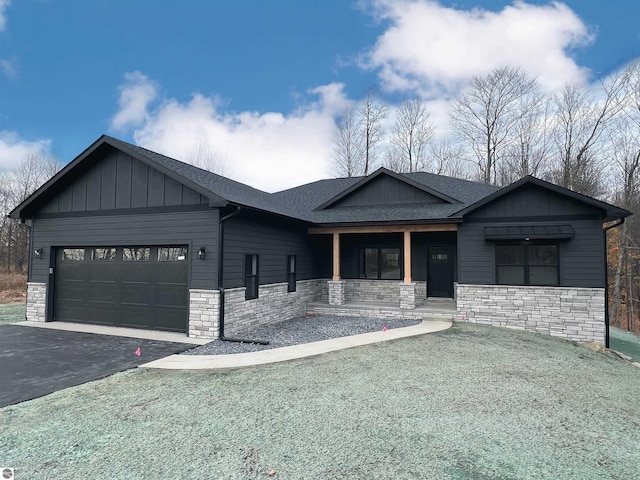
235, 360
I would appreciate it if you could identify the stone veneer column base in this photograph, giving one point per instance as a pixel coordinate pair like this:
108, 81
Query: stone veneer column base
36, 302
408, 296
336, 292
204, 314
575, 314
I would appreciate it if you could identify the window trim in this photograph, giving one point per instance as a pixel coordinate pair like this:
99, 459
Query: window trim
526, 265
251, 292
362, 262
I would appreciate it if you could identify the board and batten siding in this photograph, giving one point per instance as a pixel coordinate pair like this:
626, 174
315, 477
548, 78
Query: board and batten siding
273, 239
195, 229
117, 181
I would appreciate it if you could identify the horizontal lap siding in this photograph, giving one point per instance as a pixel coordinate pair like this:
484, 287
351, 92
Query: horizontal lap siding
193, 228
272, 239
581, 257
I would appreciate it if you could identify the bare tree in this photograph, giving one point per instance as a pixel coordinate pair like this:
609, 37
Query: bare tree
347, 151
371, 113
485, 115
580, 120
410, 137
203, 155
448, 158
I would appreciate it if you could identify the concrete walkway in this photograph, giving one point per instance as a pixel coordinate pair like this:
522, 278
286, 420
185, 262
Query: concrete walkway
202, 362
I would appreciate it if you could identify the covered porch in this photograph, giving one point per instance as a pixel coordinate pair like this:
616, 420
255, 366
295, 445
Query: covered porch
393, 271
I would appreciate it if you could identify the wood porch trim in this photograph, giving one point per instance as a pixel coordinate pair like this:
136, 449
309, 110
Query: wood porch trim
407, 256
441, 227
336, 257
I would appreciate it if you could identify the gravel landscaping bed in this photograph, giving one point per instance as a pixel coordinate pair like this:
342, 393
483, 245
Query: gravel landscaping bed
312, 328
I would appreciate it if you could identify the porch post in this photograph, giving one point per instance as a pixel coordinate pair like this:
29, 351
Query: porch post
336, 257
407, 256
407, 289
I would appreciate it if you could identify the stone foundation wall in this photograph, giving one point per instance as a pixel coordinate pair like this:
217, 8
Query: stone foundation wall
575, 314
274, 304
36, 302
372, 291
204, 308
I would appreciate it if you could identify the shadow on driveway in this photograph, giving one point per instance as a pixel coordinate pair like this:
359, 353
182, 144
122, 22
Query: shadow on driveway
35, 361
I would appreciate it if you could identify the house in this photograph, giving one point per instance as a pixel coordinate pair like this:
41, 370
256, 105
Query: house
128, 237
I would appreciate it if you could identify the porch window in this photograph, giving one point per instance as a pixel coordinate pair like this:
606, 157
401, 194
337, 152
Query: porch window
379, 263
251, 276
534, 264
291, 273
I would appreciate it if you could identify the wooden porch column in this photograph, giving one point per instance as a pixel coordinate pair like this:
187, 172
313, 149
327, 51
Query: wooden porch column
407, 256
336, 257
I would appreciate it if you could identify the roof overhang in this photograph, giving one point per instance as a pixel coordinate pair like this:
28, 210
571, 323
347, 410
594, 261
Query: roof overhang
431, 227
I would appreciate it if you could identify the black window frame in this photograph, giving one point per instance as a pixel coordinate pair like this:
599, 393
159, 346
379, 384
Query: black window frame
292, 267
251, 275
527, 265
362, 272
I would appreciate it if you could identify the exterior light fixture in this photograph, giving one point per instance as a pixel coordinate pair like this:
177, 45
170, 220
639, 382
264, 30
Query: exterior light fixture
38, 253
202, 253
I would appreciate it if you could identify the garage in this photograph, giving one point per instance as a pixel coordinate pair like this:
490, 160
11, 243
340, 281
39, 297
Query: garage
137, 287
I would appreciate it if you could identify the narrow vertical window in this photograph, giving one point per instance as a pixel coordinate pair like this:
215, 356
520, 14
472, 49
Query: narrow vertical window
291, 273
251, 276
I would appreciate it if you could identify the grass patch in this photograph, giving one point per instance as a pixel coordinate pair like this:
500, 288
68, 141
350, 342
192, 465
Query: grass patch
473, 402
12, 313
625, 342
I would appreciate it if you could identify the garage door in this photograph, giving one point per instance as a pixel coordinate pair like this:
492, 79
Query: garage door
140, 287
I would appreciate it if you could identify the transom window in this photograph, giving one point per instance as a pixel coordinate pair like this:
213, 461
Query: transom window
104, 254
172, 254
527, 265
379, 263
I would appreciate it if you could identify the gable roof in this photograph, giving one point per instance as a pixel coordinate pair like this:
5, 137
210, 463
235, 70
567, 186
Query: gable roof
378, 173
611, 211
309, 202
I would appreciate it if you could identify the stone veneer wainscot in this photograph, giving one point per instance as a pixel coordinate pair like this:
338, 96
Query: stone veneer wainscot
575, 314
204, 318
36, 302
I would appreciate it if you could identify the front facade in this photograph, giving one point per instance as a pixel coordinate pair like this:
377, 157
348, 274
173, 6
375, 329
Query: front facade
124, 236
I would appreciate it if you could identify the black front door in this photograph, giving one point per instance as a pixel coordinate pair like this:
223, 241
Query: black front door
440, 272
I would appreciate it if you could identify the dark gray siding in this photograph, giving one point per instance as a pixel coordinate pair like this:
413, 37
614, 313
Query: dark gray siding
581, 258
385, 190
532, 201
193, 228
118, 181
272, 238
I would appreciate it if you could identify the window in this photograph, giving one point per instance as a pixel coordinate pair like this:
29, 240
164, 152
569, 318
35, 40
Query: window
103, 254
527, 265
73, 254
380, 263
251, 276
291, 273
172, 254
136, 254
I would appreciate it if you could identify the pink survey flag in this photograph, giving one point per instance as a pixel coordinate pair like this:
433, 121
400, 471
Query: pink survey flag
138, 351
384, 329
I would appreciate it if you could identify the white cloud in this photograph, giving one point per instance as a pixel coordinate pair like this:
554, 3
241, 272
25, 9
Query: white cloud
14, 149
269, 150
8, 68
135, 95
3, 17
433, 50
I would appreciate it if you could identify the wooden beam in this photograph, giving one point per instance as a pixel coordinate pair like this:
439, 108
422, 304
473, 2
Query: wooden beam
336, 257
407, 256
441, 227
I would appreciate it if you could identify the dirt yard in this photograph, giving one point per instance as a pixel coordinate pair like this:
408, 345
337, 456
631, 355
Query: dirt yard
13, 287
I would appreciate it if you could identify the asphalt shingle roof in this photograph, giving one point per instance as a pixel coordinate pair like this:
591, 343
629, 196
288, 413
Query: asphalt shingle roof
301, 202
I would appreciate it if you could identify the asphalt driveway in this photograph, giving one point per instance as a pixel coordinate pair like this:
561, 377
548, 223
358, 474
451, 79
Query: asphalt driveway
35, 362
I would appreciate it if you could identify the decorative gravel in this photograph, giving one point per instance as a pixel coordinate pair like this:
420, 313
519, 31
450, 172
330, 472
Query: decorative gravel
312, 328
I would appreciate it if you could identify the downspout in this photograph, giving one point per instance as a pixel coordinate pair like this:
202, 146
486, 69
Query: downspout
606, 281
222, 337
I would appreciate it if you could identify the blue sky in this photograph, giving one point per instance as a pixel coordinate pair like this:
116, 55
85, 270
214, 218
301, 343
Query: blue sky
261, 83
